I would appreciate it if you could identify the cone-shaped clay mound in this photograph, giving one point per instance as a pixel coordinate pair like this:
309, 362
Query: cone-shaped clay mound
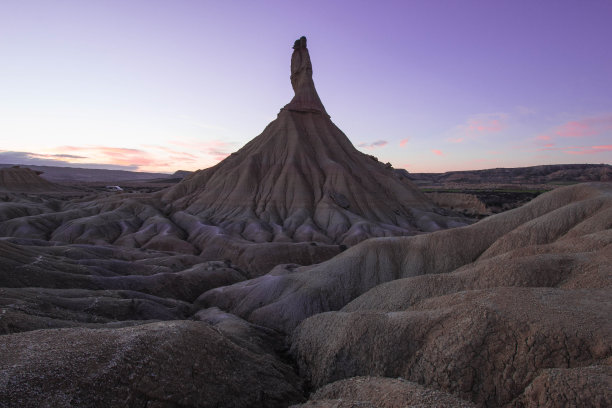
303, 180
23, 180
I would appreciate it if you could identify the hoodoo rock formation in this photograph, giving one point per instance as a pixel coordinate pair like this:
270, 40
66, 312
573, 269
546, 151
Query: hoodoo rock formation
302, 180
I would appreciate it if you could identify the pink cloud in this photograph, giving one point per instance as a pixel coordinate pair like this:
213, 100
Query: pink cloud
595, 128
217, 149
404, 142
576, 150
126, 157
477, 126
186, 155
437, 152
575, 129
174, 155
592, 126
485, 125
114, 155
589, 150
373, 145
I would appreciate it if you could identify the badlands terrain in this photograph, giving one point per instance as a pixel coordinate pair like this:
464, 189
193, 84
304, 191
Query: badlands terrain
301, 272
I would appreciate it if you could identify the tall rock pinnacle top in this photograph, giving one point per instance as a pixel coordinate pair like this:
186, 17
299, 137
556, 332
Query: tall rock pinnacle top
306, 98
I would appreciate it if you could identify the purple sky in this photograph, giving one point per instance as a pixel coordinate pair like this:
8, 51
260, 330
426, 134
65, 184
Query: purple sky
426, 85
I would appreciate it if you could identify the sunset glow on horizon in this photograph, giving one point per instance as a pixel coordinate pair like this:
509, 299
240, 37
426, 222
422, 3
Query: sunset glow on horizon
430, 86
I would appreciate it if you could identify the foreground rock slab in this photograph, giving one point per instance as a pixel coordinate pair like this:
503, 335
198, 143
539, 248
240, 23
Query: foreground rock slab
168, 364
380, 392
483, 345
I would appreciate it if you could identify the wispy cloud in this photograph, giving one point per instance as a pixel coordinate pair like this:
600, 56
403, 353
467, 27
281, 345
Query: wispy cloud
216, 149
588, 150
484, 125
437, 152
35, 159
404, 142
373, 145
172, 154
184, 154
477, 126
66, 156
590, 132
575, 150
575, 129
581, 128
116, 155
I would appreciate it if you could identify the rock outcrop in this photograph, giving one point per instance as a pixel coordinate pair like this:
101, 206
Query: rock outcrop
24, 180
466, 203
380, 392
302, 180
166, 364
44, 286
306, 98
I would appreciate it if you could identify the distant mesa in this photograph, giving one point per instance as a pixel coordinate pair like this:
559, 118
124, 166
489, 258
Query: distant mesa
542, 174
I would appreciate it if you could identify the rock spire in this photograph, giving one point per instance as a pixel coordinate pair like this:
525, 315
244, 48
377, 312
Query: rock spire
300, 181
306, 98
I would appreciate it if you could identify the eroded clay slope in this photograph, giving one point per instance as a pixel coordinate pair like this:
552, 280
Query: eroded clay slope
165, 364
524, 325
524, 247
44, 286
